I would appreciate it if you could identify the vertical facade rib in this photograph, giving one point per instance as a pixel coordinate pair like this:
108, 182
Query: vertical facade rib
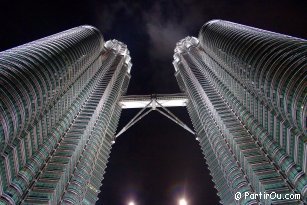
59, 110
247, 100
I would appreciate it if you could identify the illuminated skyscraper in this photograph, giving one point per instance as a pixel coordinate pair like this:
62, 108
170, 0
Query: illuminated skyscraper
245, 91
59, 110
247, 96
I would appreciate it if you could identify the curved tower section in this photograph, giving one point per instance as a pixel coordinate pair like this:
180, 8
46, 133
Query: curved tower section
247, 100
35, 74
59, 110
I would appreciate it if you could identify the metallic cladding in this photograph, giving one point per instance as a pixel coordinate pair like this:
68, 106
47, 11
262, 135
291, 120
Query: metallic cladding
59, 102
247, 97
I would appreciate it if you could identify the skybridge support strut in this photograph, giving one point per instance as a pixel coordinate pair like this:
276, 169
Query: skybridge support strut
153, 102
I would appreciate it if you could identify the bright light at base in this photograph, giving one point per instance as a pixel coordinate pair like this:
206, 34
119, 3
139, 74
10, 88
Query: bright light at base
131, 203
183, 202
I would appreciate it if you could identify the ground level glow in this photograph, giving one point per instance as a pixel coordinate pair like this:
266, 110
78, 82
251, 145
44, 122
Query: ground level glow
183, 202
131, 203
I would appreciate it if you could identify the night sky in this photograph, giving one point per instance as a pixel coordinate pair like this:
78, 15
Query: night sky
155, 162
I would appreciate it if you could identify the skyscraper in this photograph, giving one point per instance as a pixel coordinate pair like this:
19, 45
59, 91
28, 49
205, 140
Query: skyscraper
59, 110
246, 91
244, 88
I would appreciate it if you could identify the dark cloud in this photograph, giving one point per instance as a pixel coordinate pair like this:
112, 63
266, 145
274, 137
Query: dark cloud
106, 13
151, 30
166, 22
164, 30
163, 38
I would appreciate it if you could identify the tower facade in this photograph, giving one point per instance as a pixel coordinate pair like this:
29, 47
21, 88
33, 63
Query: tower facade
247, 100
245, 91
59, 102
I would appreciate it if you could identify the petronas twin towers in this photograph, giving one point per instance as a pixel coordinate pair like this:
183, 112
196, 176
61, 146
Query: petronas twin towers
245, 90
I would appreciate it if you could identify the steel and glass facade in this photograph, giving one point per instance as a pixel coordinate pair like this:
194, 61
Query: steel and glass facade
247, 96
245, 91
59, 108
